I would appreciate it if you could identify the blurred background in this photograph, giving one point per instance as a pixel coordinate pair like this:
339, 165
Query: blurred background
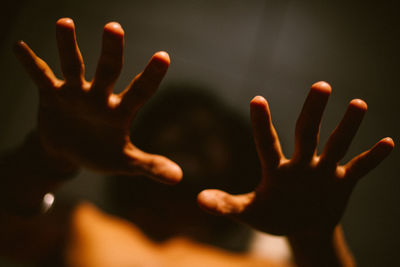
277, 49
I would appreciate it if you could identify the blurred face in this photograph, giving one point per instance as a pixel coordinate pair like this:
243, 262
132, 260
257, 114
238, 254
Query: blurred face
194, 142
207, 144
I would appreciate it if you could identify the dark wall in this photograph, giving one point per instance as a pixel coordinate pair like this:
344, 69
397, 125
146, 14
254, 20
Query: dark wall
243, 48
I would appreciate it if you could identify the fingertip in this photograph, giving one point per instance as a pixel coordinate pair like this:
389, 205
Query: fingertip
322, 87
159, 63
65, 20
165, 172
207, 200
359, 104
174, 174
384, 147
258, 101
65, 23
21, 49
18, 45
114, 28
388, 142
203, 197
259, 110
162, 58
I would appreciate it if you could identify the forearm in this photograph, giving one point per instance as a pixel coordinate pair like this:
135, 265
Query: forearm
328, 249
27, 174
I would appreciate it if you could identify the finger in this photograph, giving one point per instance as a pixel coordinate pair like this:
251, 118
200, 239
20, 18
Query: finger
153, 166
309, 121
37, 69
340, 139
221, 203
265, 137
365, 162
111, 59
71, 59
146, 83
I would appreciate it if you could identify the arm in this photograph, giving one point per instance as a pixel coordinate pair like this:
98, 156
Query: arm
80, 124
303, 197
321, 249
27, 174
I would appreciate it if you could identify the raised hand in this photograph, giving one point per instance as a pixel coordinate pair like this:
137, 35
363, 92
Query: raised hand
82, 121
308, 192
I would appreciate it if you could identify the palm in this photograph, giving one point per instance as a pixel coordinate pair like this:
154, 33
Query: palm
299, 198
87, 127
309, 191
85, 122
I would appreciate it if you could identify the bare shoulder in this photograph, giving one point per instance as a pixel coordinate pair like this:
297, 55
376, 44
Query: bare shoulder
100, 239
184, 252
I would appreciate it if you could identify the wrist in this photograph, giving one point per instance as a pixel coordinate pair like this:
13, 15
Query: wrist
313, 235
28, 174
321, 248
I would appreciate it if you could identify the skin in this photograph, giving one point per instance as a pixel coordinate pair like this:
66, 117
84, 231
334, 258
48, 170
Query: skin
90, 227
303, 197
308, 191
84, 122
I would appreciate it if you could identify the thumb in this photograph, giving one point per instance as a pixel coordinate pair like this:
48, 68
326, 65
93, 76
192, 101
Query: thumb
156, 167
222, 203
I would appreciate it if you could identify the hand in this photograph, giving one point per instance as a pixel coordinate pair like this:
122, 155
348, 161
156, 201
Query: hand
308, 192
83, 122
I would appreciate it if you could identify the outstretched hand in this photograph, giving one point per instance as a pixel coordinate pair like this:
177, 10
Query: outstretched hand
84, 122
308, 192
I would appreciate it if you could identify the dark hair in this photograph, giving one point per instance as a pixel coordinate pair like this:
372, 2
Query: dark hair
214, 146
